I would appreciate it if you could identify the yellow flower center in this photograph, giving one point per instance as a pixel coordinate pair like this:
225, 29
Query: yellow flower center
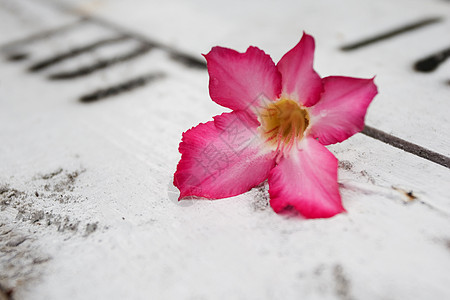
283, 122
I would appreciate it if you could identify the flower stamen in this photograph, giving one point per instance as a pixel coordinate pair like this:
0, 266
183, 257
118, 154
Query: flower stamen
283, 122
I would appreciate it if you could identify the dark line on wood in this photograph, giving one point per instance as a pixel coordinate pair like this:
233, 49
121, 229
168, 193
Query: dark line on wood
432, 62
120, 88
42, 35
407, 146
186, 59
17, 56
101, 64
48, 62
392, 33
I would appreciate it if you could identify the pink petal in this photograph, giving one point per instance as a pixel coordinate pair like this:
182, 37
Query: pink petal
299, 80
240, 81
307, 182
340, 112
222, 158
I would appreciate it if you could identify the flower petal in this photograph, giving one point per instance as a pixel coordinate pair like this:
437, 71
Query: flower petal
340, 112
222, 158
306, 181
240, 81
299, 80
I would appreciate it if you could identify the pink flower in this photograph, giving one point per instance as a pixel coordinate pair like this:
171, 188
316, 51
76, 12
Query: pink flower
283, 116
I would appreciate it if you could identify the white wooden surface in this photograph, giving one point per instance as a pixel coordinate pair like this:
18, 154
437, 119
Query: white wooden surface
87, 208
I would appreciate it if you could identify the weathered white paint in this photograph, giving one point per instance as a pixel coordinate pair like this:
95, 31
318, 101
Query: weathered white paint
108, 166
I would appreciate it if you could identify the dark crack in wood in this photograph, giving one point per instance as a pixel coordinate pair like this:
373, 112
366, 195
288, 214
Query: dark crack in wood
101, 64
432, 62
120, 88
42, 35
175, 54
50, 61
407, 146
17, 56
392, 33
188, 61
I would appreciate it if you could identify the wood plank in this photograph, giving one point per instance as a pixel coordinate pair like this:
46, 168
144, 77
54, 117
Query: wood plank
88, 210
